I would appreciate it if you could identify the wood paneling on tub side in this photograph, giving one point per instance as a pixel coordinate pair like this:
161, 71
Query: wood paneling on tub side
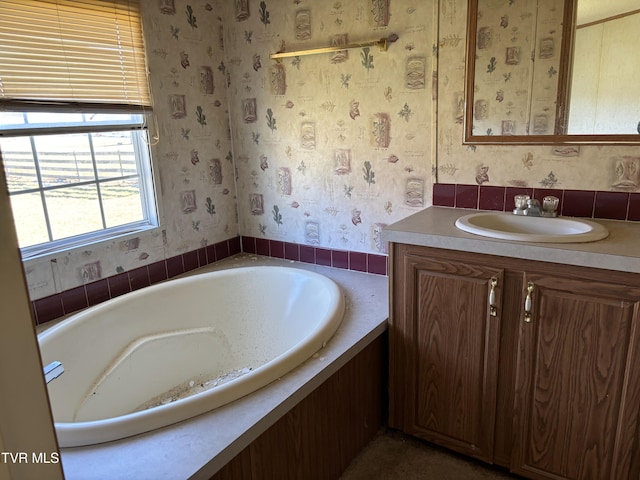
320, 436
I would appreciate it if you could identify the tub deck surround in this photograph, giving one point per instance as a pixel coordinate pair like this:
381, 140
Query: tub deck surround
178, 349
435, 227
200, 446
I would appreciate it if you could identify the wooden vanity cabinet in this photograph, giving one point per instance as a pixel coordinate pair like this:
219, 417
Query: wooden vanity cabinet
577, 395
444, 351
542, 376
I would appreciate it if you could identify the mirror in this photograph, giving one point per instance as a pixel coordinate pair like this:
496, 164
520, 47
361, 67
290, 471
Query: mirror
529, 80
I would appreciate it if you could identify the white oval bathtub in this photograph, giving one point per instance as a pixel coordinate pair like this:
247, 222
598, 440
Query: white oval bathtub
175, 350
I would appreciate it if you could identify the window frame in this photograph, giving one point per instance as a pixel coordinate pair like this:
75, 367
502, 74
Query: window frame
145, 173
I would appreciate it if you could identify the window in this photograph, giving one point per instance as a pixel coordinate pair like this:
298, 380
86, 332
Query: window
74, 102
70, 188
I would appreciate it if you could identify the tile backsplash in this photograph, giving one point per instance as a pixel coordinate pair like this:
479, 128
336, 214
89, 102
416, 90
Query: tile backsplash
573, 203
577, 203
350, 260
55, 306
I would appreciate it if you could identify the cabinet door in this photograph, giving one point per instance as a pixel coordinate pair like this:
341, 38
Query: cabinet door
444, 338
577, 389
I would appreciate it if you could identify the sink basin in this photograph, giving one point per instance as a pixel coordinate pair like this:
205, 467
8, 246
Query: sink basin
520, 228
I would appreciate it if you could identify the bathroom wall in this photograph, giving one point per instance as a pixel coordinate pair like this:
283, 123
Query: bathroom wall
330, 148
325, 150
587, 167
607, 65
193, 161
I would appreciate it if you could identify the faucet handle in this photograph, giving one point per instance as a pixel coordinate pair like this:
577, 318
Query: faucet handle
520, 202
550, 205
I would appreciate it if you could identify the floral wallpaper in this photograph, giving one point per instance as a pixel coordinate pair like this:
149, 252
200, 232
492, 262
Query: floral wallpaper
330, 148
322, 150
195, 155
517, 64
193, 160
589, 167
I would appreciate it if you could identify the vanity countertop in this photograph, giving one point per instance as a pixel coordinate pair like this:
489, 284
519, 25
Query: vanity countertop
435, 227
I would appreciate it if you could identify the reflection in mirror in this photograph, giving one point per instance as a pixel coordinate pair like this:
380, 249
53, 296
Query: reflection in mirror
522, 86
606, 69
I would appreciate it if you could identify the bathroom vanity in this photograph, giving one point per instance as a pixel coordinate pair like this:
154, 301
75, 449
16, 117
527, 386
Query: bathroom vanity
520, 354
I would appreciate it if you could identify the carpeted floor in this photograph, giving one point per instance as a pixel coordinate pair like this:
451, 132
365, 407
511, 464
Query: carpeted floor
392, 455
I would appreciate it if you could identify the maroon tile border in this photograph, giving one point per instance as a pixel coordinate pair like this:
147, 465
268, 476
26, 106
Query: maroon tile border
69, 301
573, 203
377, 264
74, 299
190, 260
633, 212
277, 249
202, 257
444, 194
340, 259
578, 203
587, 203
248, 244
292, 251
97, 292
323, 257
221, 250
345, 259
119, 284
234, 246
48, 308
157, 272
139, 278
358, 261
175, 266
467, 196
613, 205
307, 254
262, 246
491, 198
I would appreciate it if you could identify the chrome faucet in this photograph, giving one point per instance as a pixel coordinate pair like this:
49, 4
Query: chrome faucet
525, 205
53, 371
533, 208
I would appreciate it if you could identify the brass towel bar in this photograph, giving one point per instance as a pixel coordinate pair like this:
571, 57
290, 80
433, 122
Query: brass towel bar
383, 44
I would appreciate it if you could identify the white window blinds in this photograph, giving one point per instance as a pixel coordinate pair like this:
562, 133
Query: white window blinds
61, 53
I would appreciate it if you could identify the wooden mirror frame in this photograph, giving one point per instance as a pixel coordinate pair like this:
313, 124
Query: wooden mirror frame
564, 76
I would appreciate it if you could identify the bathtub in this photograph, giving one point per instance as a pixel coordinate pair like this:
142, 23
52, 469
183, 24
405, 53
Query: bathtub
175, 350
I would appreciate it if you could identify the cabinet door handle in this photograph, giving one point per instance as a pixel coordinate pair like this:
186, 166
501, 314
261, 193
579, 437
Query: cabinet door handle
528, 303
493, 310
